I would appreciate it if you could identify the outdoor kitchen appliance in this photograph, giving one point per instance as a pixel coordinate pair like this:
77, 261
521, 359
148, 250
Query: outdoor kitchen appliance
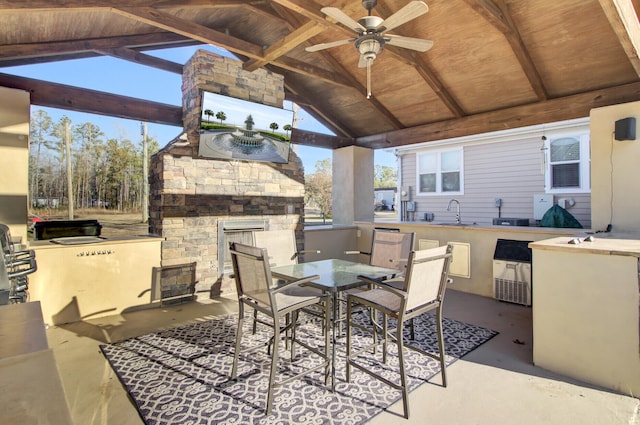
512, 271
52, 229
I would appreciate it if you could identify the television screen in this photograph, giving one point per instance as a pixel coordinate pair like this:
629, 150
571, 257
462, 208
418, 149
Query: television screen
233, 128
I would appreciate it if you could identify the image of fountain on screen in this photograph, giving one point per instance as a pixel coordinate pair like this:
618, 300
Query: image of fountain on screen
237, 129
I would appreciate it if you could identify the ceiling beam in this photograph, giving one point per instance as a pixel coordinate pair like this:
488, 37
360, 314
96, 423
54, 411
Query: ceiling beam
312, 104
284, 45
168, 22
624, 21
143, 59
425, 71
559, 109
57, 48
319, 140
71, 98
497, 13
345, 75
40, 5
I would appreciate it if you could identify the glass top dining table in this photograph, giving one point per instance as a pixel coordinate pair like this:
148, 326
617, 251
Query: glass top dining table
335, 276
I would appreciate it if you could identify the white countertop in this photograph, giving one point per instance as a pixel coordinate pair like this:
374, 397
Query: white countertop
603, 244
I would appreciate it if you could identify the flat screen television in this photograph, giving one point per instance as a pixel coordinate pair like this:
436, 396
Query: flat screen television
237, 129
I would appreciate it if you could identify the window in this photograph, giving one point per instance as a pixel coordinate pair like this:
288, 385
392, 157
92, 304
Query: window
440, 172
568, 164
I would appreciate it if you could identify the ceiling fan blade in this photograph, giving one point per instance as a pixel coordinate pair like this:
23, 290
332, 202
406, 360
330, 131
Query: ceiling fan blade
343, 18
410, 11
418, 44
323, 46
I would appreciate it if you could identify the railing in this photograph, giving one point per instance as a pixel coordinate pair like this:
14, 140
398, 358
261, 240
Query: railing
315, 219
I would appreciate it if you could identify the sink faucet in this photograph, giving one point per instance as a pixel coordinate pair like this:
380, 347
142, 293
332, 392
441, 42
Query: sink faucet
457, 209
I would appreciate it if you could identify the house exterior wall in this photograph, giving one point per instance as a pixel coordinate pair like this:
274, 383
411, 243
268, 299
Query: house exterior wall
505, 165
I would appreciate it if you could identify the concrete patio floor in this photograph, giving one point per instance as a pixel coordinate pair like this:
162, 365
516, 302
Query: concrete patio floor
495, 384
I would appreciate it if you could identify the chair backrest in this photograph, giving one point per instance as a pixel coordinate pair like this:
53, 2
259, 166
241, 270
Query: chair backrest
280, 244
251, 272
426, 276
391, 249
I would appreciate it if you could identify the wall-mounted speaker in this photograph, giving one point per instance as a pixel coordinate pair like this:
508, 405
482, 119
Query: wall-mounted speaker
626, 129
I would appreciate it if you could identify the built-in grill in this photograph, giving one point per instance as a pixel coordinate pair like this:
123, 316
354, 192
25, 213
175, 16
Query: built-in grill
52, 229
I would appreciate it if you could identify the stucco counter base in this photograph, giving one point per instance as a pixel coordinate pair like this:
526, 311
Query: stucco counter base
586, 302
74, 282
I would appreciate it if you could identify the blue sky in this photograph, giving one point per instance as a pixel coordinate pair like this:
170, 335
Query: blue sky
129, 79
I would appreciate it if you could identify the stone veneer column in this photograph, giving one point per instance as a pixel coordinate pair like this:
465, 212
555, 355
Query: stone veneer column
191, 195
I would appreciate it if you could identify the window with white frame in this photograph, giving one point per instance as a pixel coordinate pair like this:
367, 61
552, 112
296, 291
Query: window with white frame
440, 172
568, 164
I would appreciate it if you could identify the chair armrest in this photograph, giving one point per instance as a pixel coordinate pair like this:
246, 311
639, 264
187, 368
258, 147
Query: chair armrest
357, 252
297, 282
382, 285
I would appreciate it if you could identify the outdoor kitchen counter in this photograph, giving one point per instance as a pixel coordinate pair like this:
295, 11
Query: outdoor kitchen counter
90, 280
586, 321
474, 246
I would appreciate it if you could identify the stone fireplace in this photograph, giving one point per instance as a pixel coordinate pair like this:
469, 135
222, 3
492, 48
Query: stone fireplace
199, 204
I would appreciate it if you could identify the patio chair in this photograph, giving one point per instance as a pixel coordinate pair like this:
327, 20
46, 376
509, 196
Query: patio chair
256, 289
281, 245
282, 248
389, 249
422, 290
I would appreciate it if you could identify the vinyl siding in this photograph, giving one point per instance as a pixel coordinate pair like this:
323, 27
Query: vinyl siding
510, 170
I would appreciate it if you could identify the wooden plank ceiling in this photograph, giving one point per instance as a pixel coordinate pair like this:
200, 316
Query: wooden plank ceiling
495, 64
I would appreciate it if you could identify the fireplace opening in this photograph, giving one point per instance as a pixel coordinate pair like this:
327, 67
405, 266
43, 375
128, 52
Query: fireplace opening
235, 231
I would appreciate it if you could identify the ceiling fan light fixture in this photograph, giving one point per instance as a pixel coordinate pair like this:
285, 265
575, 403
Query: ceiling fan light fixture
370, 46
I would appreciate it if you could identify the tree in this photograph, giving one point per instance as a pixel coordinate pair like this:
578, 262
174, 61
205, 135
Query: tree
209, 114
90, 137
287, 128
273, 126
64, 160
385, 176
318, 187
221, 116
40, 131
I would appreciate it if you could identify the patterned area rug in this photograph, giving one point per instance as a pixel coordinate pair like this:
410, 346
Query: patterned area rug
180, 376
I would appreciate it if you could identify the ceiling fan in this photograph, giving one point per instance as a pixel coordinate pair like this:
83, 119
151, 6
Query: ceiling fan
372, 35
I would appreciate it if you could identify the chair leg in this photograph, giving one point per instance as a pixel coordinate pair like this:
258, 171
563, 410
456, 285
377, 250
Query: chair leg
385, 330
443, 364
274, 367
403, 374
292, 329
348, 355
411, 330
328, 349
255, 321
234, 368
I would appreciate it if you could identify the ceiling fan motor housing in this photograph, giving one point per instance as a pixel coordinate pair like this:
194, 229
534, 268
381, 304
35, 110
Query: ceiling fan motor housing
370, 45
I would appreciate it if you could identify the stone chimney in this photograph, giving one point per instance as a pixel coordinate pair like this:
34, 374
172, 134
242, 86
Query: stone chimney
200, 204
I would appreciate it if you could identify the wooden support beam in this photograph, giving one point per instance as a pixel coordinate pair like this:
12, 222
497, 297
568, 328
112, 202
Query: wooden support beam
624, 21
560, 109
143, 59
319, 140
497, 13
284, 45
71, 98
190, 29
